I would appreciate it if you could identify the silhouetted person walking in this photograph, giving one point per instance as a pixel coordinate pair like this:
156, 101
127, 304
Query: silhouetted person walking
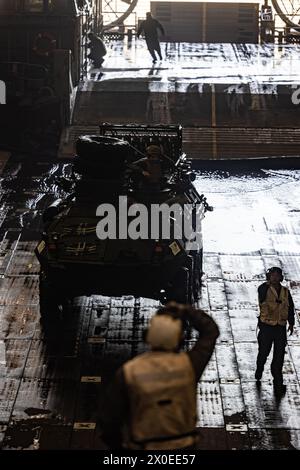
150, 27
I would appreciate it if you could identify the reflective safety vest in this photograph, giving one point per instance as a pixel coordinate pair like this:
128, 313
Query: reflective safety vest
274, 310
162, 394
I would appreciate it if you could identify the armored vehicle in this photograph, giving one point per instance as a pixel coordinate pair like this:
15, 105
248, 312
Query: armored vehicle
76, 259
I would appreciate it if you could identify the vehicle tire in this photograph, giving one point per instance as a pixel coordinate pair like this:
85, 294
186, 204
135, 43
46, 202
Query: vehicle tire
179, 291
105, 168
197, 274
49, 214
93, 187
52, 304
191, 268
94, 148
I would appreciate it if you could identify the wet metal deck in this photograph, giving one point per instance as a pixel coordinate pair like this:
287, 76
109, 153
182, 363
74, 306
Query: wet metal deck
51, 385
243, 85
201, 63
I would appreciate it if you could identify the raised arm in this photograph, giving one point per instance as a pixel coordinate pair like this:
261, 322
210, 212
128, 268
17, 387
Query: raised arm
291, 314
160, 27
208, 332
140, 30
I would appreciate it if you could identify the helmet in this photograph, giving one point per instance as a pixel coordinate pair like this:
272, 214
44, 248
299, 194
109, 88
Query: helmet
274, 269
164, 332
153, 150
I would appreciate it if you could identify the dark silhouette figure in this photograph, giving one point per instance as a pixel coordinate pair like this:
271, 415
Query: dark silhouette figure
98, 50
150, 27
152, 401
149, 172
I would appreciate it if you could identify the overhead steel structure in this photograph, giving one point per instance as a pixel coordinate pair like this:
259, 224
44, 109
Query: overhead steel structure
289, 11
112, 17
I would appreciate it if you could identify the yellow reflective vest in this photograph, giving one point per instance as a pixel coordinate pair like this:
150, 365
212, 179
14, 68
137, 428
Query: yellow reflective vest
162, 394
274, 310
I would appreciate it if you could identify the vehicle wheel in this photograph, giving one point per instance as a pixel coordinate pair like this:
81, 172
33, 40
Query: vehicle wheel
191, 268
52, 305
99, 170
101, 159
179, 290
197, 275
49, 214
66, 306
96, 188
